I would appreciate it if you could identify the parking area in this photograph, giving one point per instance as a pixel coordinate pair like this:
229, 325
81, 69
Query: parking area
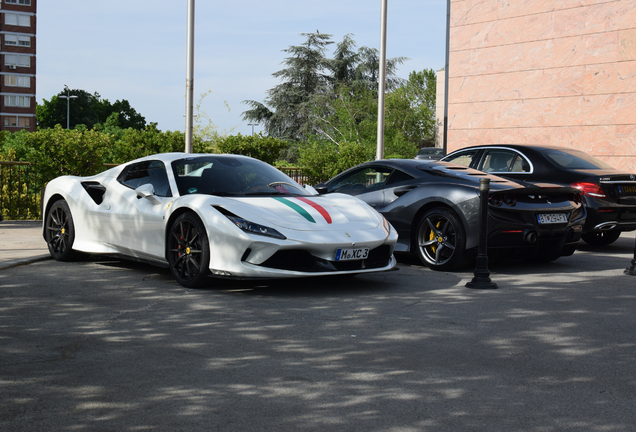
115, 345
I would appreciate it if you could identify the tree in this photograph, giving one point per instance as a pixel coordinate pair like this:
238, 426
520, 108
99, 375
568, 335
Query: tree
411, 107
81, 110
310, 78
87, 109
367, 70
290, 100
205, 130
128, 116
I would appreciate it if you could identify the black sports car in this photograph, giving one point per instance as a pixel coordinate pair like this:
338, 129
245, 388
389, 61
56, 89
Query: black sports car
434, 206
608, 194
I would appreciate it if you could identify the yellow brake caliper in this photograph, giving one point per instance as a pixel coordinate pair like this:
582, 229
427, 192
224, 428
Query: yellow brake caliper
431, 236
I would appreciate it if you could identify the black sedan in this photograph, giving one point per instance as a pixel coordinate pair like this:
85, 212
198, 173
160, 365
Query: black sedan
430, 153
608, 194
434, 206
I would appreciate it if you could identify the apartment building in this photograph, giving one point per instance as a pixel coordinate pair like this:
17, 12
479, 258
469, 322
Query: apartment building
17, 64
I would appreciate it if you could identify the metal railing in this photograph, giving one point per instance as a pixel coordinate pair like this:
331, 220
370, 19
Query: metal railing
295, 173
20, 195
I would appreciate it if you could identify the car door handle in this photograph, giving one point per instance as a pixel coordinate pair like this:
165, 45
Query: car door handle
403, 190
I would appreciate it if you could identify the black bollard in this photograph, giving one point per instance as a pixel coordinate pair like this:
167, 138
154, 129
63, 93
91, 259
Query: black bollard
631, 271
482, 274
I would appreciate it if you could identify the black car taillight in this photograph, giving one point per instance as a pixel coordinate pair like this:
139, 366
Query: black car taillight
589, 189
510, 199
495, 200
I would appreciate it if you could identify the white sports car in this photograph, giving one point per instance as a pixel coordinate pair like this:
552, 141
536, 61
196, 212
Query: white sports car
214, 215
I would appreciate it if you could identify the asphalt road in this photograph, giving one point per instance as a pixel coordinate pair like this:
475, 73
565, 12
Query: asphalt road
116, 346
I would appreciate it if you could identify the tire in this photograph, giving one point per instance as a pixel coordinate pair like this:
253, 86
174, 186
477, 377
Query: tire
189, 251
59, 232
602, 238
440, 240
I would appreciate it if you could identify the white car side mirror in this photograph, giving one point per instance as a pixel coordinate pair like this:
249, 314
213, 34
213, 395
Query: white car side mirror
147, 191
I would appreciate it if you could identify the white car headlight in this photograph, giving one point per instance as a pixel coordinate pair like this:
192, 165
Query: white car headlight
254, 228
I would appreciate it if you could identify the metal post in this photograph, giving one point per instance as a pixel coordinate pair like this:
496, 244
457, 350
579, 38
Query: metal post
190, 79
482, 274
382, 83
68, 98
446, 74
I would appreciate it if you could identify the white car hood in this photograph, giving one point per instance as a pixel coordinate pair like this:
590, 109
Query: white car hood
307, 213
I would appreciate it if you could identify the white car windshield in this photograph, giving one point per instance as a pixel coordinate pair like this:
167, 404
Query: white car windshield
226, 175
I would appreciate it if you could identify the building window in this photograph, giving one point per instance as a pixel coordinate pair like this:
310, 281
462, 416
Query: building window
17, 81
15, 121
17, 20
17, 101
20, 2
13, 60
17, 40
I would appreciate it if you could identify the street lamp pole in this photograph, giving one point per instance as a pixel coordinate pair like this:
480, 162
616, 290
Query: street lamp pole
379, 154
190, 80
68, 108
252, 124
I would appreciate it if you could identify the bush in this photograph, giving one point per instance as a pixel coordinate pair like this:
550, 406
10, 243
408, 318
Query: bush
55, 152
257, 146
135, 143
320, 161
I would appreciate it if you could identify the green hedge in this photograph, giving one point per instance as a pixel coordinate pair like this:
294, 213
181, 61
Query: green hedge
57, 151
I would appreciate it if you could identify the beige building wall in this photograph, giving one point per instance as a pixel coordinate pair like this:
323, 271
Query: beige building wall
559, 72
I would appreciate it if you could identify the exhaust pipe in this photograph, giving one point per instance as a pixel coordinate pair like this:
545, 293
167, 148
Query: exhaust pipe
606, 226
530, 237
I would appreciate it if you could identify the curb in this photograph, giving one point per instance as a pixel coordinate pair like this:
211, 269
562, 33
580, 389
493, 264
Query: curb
23, 261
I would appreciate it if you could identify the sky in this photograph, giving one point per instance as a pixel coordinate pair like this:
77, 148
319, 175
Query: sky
136, 49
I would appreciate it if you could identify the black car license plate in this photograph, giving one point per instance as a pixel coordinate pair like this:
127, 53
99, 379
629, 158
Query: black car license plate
552, 218
627, 189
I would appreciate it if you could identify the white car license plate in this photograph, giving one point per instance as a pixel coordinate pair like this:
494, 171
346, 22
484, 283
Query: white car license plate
552, 218
352, 254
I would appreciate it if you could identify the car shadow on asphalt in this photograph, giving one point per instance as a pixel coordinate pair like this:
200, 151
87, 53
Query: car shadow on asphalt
306, 286
616, 256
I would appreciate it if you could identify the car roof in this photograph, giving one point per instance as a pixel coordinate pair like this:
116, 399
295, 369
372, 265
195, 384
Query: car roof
170, 157
421, 166
430, 150
535, 147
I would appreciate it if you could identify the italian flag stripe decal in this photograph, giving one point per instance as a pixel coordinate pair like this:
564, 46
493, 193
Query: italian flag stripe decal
297, 208
304, 213
319, 208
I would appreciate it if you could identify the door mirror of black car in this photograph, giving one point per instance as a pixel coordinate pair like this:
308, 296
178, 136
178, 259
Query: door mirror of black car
403, 190
321, 188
